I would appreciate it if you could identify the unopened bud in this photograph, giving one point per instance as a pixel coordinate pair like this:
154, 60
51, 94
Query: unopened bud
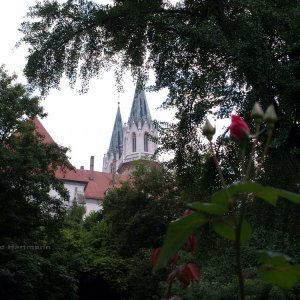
209, 130
270, 116
257, 113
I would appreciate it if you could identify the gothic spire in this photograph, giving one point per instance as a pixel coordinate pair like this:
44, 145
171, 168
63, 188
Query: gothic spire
139, 109
116, 141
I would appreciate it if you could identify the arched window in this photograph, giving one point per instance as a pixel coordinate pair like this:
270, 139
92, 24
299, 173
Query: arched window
146, 142
133, 142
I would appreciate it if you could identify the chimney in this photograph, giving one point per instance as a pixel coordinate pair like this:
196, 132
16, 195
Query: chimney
91, 168
82, 168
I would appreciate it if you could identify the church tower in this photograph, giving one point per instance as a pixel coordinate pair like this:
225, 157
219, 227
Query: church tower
136, 143
112, 158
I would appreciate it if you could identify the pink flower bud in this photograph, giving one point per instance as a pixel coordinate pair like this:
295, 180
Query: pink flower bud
257, 113
209, 130
270, 116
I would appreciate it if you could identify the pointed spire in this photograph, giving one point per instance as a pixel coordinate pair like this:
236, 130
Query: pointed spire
116, 141
139, 109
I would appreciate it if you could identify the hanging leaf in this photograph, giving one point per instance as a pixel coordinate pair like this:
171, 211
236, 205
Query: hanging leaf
269, 194
293, 197
177, 235
227, 228
221, 197
277, 270
245, 232
266, 193
272, 258
280, 277
210, 208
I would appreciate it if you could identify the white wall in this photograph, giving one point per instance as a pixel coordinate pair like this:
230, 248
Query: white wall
74, 188
92, 205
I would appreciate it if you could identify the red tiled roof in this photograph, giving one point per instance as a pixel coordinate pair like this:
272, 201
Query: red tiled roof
42, 130
96, 187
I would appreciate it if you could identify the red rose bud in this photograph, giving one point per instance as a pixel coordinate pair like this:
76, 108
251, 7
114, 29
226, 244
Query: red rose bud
188, 273
192, 244
154, 256
238, 128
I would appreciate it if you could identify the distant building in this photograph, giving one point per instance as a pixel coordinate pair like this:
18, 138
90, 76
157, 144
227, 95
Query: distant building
87, 187
131, 141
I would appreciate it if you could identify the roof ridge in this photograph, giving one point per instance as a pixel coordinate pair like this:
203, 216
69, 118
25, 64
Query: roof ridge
39, 127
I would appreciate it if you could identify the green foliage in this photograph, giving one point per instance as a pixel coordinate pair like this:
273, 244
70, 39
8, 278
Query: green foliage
177, 235
140, 211
28, 275
209, 208
211, 55
275, 270
227, 229
30, 218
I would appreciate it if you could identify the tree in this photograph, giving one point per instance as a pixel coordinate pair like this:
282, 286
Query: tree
29, 217
138, 212
213, 56
220, 54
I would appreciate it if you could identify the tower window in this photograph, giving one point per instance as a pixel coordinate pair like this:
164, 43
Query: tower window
146, 142
133, 142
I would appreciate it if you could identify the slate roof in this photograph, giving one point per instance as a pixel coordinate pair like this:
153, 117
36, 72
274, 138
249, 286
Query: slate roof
139, 109
116, 141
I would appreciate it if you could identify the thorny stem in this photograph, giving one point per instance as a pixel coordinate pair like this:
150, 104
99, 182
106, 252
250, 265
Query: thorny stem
168, 295
220, 172
240, 219
243, 157
251, 157
239, 223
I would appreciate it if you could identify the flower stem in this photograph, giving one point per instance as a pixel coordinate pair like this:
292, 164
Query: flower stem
251, 157
238, 224
238, 229
168, 295
220, 172
269, 137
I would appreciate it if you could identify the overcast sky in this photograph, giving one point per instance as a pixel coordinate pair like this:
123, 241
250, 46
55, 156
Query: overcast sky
81, 122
